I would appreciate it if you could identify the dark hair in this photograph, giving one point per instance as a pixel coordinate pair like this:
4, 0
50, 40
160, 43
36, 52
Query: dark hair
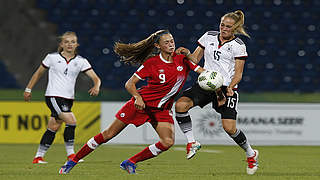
139, 52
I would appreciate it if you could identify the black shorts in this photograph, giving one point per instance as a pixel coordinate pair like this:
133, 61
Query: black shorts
201, 98
58, 105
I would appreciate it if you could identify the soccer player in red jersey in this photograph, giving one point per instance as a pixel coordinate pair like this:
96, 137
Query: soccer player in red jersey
166, 72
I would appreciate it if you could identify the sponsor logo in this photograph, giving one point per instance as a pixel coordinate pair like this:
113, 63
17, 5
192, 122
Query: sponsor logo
209, 123
161, 70
285, 120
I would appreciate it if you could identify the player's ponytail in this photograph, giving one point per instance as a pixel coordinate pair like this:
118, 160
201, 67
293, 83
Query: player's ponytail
238, 17
137, 53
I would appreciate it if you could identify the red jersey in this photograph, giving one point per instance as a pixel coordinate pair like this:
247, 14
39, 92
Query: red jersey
165, 79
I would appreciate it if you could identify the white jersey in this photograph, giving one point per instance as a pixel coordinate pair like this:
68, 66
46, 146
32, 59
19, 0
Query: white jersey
62, 74
221, 58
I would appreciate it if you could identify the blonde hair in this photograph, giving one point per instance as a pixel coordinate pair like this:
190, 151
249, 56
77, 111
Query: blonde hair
238, 17
68, 33
137, 53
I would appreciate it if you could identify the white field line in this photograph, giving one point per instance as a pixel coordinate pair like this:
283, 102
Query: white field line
174, 148
201, 150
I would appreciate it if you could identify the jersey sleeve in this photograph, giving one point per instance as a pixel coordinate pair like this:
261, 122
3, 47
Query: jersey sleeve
46, 61
240, 52
143, 71
191, 65
202, 41
85, 66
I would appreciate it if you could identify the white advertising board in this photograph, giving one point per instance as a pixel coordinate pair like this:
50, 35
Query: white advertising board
262, 123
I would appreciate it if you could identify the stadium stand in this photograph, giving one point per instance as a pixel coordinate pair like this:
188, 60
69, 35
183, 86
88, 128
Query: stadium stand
25, 39
283, 48
7, 79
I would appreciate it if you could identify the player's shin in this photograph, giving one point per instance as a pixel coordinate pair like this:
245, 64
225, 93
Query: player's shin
149, 152
69, 138
45, 143
242, 141
185, 124
90, 146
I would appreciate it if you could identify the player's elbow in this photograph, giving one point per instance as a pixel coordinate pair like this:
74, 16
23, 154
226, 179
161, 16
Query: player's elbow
128, 85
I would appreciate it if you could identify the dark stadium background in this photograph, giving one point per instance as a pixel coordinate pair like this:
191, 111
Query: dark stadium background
283, 66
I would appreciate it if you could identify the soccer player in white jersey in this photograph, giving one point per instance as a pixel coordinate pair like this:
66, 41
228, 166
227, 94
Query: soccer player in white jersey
225, 53
64, 67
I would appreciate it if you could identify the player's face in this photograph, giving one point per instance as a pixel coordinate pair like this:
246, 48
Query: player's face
166, 43
69, 43
226, 29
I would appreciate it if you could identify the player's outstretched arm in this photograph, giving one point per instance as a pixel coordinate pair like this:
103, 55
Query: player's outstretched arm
94, 91
200, 70
195, 57
239, 66
132, 89
34, 79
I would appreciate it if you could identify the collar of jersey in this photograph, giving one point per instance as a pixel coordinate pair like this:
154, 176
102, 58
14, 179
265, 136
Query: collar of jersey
220, 44
164, 60
75, 55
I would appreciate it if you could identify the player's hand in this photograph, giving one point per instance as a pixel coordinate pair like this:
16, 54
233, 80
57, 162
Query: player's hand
27, 96
229, 91
221, 97
139, 104
183, 50
94, 91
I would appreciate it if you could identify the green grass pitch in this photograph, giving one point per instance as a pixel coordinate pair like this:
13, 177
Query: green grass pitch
211, 162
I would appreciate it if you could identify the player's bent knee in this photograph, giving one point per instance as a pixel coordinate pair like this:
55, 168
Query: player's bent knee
168, 142
54, 126
182, 106
230, 130
68, 117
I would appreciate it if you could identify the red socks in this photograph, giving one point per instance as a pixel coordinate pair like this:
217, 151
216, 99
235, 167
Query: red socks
99, 138
149, 152
91, 145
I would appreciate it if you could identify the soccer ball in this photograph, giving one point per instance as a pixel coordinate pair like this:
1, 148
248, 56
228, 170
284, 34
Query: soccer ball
210, 80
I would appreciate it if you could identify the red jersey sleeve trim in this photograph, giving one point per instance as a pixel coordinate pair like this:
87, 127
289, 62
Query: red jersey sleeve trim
138, 76
196, 69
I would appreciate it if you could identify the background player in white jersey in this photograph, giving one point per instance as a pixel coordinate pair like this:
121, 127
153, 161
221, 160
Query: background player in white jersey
166, 73
64, 68
226, 53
